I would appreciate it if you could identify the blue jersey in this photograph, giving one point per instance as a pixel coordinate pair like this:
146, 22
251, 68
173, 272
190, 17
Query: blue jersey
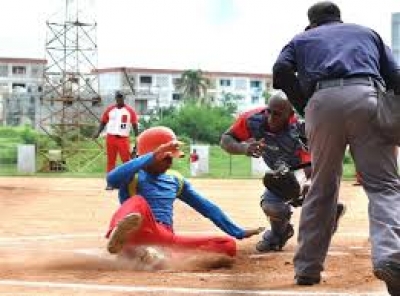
161, 191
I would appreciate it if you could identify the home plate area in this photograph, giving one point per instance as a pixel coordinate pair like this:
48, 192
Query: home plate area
52, 243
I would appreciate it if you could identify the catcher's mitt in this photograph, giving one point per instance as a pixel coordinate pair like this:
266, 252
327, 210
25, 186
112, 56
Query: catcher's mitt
285, 185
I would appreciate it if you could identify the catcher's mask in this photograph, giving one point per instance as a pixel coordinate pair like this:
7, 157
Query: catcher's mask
152, 138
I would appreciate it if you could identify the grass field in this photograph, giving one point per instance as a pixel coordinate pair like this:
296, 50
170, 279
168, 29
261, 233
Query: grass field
92, 163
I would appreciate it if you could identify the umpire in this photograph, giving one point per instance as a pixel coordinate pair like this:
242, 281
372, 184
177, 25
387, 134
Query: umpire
337, 66
274, 133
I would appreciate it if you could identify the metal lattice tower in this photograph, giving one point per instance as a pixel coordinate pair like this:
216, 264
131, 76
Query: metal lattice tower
70, 104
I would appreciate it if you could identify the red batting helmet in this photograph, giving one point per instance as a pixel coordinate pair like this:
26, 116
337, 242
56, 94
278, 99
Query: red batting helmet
152, 138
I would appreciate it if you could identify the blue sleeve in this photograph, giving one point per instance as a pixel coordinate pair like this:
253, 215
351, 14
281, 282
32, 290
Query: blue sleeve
284, 77
287, 56
124, 173
209, 210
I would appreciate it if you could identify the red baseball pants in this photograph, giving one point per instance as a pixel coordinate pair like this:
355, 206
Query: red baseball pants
154, 233
117, 145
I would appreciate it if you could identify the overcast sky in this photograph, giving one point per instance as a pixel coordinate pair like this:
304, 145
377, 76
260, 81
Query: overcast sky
213, 35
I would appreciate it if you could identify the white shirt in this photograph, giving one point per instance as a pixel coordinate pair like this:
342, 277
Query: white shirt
119, 120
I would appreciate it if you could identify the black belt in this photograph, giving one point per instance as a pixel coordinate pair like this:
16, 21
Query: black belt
344, 82
118, 136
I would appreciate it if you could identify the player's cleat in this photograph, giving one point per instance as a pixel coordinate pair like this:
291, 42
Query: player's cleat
152, 258
340, 211
389, 272
272, 242
144, 257
120, 233
303, 280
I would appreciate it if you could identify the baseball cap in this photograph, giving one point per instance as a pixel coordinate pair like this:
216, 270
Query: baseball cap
119, 95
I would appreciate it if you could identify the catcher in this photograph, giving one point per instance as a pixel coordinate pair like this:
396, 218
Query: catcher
275, 133
147, 192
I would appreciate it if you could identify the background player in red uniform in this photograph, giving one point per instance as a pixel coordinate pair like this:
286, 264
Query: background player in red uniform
118, 120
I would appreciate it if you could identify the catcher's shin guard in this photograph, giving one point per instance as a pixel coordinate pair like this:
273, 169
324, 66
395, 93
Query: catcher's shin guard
121, 232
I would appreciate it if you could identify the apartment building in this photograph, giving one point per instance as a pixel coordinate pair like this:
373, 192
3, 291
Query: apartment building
154, 88
21, 74
21, 79
22, 84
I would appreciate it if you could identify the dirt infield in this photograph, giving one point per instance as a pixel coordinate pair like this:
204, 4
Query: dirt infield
51, 243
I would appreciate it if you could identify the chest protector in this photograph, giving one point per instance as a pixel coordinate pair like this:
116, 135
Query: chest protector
282, 147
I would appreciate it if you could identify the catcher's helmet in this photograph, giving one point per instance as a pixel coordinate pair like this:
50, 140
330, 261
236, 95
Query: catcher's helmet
152, 138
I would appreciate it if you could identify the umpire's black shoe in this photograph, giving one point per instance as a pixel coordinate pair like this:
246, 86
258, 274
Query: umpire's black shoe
389, 272
303, 280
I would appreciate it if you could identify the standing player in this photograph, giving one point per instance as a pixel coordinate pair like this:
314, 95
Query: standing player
118, 118
147, 192
194, 163
274, 133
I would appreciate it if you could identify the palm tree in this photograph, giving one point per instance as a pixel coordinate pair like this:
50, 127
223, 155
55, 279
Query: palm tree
193, 85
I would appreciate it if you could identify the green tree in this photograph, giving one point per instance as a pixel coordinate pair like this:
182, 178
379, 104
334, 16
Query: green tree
200, 123
230, 101
266, 96
193, 86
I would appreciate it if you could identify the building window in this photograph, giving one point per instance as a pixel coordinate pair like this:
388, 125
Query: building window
146, 80
255, 99
3, 71
18, 87
141, 106
225, 82
255, 84
19, 70
176, 97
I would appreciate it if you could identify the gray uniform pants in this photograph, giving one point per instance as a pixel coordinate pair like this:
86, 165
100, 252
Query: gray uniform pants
337, 117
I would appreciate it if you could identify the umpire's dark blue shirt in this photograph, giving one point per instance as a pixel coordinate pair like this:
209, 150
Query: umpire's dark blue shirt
329, 51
